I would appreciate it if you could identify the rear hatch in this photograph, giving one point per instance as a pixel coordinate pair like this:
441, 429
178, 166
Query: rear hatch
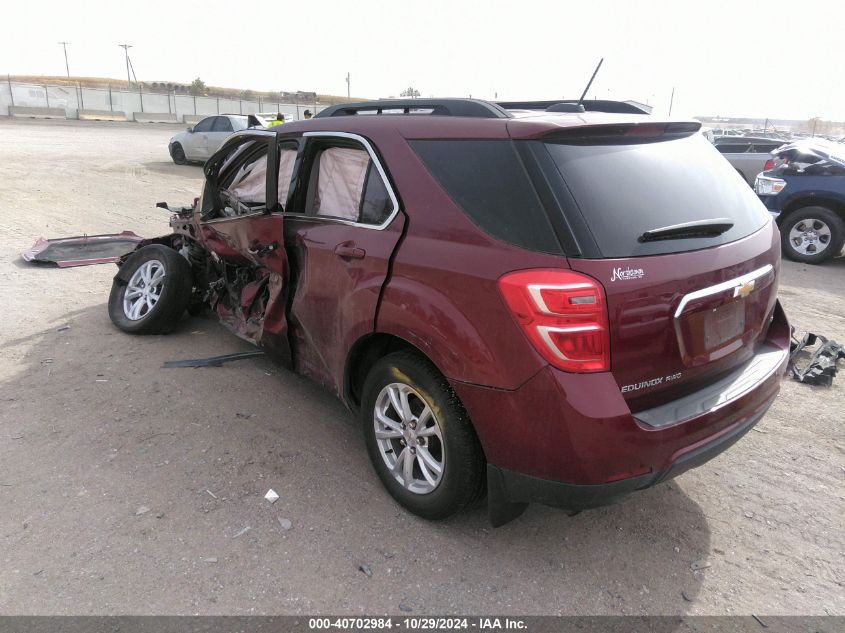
687, 255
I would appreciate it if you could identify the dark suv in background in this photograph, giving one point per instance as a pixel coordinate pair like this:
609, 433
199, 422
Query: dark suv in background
805, 192
556, 306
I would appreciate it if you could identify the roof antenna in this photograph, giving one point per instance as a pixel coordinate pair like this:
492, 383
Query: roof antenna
590, 83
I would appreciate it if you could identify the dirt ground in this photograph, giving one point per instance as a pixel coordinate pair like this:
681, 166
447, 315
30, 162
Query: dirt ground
126, 488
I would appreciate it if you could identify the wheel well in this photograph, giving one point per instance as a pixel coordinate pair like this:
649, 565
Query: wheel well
834, 205
363, 355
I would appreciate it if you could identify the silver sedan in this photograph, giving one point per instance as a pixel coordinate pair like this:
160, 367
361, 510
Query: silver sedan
200, 141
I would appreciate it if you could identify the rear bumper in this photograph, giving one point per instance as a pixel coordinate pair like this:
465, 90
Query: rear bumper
772, 204
571, 440
517, 488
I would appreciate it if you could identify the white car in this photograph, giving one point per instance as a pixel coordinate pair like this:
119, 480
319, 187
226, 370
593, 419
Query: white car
200, 141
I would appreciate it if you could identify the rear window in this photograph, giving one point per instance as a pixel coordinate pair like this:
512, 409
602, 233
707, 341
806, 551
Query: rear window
724, 148
239, 123
622, 191
488, 181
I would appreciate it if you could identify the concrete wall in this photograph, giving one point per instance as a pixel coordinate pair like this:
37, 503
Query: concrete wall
155, 117
129, 101
101, 115
37, 113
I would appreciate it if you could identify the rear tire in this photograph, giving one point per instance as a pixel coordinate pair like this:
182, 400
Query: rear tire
151, 292
420, 420
812, 235
178, 154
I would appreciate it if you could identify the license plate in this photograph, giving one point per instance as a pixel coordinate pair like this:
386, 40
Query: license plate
724, 324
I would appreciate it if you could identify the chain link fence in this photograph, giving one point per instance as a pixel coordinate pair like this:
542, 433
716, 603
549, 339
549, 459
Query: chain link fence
130, 102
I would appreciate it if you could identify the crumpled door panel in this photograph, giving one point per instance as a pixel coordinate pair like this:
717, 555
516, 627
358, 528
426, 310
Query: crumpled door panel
250, 298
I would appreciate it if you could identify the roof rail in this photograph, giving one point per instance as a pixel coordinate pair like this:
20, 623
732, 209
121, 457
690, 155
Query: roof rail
594, 105
442, 107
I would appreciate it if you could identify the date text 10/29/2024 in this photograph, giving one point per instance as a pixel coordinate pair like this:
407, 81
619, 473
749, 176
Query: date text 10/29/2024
423, 623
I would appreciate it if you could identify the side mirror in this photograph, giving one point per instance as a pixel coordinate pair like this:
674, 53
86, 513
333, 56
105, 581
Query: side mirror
190, 129
162, 205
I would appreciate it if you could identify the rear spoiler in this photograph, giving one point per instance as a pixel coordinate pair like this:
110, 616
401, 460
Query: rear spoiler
594, 105
625, 132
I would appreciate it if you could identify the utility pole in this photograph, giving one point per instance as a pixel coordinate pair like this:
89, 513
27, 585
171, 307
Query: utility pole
126, 48
67, 67
671, 100
348, 86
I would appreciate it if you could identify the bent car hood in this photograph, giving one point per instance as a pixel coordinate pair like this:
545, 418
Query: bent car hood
832, 152
82, 250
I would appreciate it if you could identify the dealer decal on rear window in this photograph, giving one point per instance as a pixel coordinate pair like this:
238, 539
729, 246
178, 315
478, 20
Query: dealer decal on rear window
626, 274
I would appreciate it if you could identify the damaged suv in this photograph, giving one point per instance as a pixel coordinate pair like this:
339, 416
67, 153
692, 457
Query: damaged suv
554, 307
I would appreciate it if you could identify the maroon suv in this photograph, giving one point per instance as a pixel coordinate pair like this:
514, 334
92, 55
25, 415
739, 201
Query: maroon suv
559, 307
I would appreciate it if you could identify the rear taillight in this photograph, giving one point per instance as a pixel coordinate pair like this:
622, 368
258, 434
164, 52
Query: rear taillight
564, 315
770, 164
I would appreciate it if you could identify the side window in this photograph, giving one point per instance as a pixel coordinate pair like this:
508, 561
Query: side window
239, 122
337, 183
242, 181
205, 125
487, 180
376, 204
345, 183
287, 159
249, 183
222, 124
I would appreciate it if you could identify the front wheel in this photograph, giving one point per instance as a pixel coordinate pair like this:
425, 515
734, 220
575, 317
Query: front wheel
812, 235
151, 292
419, 437
178, 154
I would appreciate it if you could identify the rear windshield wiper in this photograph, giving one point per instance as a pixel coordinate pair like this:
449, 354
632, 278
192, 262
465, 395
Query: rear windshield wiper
698, 228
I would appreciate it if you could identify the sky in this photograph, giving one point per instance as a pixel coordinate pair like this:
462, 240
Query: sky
765, 59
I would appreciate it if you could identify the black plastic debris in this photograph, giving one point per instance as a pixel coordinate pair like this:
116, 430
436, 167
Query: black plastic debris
821, 368
214, 361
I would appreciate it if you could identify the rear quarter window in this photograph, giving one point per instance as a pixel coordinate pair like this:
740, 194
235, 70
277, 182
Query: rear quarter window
488, 182
622, 191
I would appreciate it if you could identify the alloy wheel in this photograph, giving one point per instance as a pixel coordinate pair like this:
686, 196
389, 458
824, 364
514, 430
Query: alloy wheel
409, 438
143, 290
810, 236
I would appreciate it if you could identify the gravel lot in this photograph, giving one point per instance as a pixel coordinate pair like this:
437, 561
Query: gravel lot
126, 488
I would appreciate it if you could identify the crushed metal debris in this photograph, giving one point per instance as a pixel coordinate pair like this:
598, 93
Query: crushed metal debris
821, 368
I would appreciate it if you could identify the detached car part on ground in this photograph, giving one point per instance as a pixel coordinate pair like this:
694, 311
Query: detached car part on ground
464, 277
805, 192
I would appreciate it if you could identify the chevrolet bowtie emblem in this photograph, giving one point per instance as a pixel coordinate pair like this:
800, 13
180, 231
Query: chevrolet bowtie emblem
744, 290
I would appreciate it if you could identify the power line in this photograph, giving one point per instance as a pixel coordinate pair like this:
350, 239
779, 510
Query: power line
67, 66
132, 68
126, 48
